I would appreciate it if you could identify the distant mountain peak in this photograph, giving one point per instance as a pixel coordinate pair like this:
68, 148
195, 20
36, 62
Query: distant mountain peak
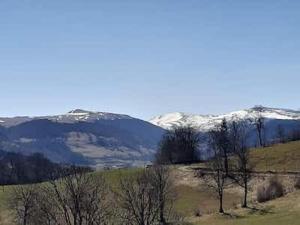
79, 111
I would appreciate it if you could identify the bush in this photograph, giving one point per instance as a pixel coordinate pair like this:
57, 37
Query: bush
274, 189
198, 213
297, 183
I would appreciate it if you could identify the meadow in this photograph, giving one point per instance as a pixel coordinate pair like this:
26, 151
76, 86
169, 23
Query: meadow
198, 203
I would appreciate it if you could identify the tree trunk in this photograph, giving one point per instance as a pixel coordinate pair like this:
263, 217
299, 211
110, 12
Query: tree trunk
245, 196
25, 216
221, 210
162, 220
226, 163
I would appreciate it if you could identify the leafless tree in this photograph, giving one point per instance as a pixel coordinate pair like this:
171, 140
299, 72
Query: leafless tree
22, 201
162, 183
259, 123
216, 179
219, 140
217, 176
137, 201
47, 211
147, 199
79, 198
239, 133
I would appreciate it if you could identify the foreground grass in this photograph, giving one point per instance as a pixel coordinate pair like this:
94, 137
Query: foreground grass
192, 199
285, 211
189, 199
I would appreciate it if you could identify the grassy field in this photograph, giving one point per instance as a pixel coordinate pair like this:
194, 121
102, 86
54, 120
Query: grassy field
281, 157
193, 197
285, 211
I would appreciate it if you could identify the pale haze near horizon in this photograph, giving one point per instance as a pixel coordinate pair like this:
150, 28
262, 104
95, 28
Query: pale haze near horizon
146, 58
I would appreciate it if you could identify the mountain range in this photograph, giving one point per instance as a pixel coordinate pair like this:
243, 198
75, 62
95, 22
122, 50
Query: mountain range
101, 139
205, 123
83, 137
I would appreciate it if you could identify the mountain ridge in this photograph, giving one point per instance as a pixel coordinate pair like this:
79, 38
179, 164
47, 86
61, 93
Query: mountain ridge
71, 116
83, 137
206, 122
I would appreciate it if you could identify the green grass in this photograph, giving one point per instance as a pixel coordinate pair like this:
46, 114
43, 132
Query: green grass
277, 158
5, 214
113, 176
283, 211
281, 157
190, 199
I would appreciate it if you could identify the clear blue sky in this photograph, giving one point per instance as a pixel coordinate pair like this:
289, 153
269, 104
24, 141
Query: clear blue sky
148, 57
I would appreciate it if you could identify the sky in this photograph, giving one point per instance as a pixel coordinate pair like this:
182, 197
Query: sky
146, 58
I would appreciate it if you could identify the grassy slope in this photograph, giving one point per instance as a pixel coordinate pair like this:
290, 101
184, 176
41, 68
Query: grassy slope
278, 212
190, 199
286, 210
282, 157
5, 215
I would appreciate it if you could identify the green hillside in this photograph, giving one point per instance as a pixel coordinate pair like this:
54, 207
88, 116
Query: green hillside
281, 157
193, 196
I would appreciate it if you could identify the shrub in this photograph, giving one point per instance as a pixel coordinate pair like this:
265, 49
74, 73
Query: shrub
297, 183
198, 212
261, 194
274, 189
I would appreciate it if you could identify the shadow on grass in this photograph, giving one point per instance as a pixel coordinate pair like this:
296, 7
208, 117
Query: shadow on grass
260, 211
232, 216
252, 211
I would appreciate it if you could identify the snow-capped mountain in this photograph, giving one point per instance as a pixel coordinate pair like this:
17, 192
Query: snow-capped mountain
76, 115
106, 139
83, 137
205, 123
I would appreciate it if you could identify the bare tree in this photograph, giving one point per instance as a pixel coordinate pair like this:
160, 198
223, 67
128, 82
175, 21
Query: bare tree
239, 133
137, 201
259, 123
162, 183
79, 198
22, 201
217, 177
147, 199
47, 212
219, 138
179, 146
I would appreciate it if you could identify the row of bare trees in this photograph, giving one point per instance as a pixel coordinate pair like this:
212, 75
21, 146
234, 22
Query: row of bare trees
229, 160
75, 199
82, 198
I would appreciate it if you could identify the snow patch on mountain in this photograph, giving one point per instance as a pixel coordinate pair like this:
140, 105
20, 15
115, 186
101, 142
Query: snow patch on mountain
207, 122
77, 115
